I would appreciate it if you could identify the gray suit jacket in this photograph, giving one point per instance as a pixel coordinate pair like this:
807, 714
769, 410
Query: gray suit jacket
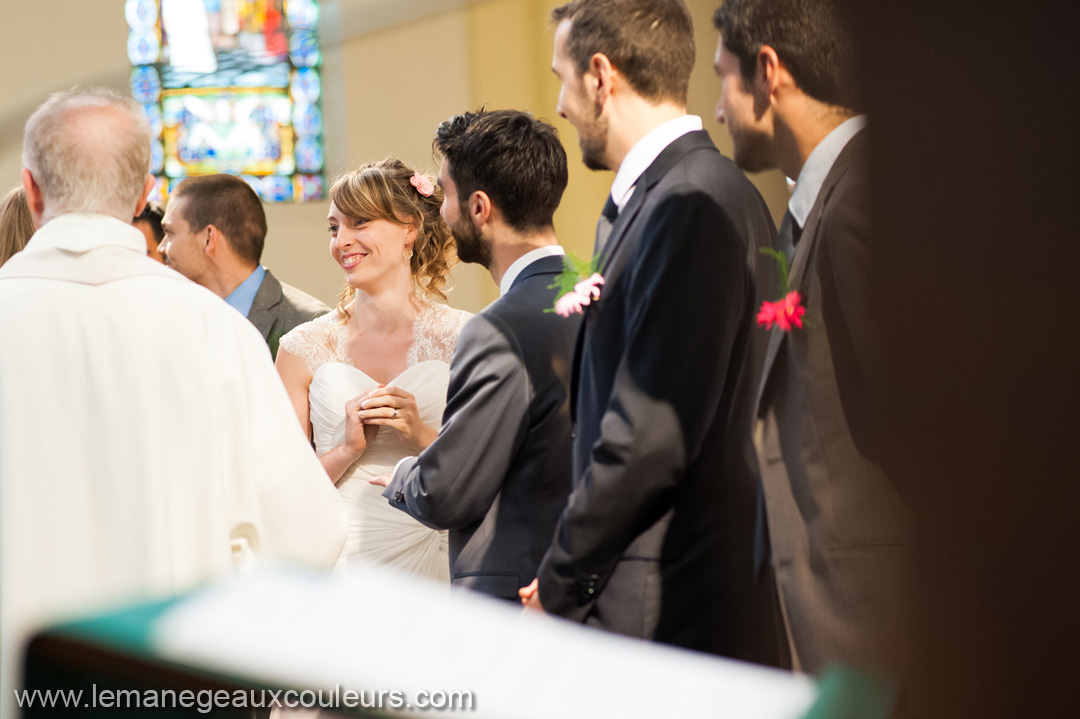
839, 529
279, 307
499, 473
662, 537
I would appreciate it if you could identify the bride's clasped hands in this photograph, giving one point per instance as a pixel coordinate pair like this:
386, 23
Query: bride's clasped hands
395, 408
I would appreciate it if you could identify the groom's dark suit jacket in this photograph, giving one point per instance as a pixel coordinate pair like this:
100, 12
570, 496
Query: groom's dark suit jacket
839, 528
499, 473
663, 534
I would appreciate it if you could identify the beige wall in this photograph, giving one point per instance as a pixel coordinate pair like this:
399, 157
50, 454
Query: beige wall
394, 69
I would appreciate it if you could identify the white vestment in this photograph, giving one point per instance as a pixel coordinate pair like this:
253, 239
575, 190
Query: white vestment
146, 441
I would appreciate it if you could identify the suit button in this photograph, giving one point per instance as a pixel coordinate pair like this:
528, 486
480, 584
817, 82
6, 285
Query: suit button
573, 434
399, 497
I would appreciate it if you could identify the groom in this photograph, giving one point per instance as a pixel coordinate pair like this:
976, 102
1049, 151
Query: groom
662, 537
498, 474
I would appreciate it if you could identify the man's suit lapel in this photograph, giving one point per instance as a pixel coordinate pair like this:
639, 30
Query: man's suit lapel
672, 154
805, 248
268, 297
618, 231
615, 245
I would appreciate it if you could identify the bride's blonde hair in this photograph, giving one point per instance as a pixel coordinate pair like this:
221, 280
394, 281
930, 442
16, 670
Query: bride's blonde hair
383, 191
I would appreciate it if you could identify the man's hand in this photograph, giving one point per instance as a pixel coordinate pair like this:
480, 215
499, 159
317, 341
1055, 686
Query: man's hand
382, 481
530, 596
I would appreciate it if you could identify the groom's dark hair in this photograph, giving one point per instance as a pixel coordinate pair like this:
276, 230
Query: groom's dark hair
808, 36
515, 158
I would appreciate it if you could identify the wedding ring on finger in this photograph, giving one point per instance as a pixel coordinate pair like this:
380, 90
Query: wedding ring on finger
394, 415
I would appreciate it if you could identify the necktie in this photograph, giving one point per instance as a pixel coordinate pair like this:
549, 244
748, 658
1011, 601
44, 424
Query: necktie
789, 235
603, 225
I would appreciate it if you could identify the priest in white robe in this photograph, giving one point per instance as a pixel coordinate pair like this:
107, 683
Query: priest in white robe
146, 441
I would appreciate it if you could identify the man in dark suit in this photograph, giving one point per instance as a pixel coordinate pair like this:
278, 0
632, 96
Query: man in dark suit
499, 473
661, 538
838, 527
215, 229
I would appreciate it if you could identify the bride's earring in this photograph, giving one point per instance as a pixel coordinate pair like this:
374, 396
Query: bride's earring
407, 253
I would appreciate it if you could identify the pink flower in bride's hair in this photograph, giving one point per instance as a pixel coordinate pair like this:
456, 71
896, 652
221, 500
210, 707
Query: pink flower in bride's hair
422, 184
590, 286
783, 313
571, 304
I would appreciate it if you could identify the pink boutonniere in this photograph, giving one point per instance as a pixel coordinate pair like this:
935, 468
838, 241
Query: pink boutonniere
788, 311
422, 184
578, 284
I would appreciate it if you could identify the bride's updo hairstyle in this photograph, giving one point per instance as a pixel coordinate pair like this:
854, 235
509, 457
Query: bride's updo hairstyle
384, 191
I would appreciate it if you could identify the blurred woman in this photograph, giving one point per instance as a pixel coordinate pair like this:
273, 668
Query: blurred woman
149, 223
16, 225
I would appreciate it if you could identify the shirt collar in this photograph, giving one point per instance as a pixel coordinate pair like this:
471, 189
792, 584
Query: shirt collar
524, 261
646, 150
817, 167
84, 231
244, 295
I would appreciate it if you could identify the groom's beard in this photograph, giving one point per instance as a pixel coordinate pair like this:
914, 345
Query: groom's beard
471, 247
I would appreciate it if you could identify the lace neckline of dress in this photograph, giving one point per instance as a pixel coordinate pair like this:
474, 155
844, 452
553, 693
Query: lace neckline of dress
428, 342
434, 336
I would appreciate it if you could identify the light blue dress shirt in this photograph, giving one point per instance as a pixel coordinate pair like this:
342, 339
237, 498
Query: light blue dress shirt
244, 295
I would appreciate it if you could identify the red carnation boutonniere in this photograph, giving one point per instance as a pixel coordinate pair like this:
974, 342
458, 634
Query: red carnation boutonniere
788, 311
578, 284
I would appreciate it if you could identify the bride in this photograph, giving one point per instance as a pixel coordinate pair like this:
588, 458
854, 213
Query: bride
368, 380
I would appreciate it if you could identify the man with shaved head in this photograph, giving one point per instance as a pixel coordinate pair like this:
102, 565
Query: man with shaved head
146, 443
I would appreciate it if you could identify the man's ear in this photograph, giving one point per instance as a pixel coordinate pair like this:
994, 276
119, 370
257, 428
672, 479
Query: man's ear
600, 79
35, 198
213, 239
480, 208
769, 74
148, 186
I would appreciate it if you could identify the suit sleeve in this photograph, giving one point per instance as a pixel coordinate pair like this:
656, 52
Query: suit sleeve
455, 480
686, 303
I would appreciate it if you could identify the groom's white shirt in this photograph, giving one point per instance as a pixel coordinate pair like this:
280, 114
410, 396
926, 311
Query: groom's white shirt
644, 153
146, 441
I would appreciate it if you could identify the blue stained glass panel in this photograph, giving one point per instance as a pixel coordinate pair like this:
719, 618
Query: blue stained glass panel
141, 13
307, 120
305, 86
145, 85
302, 14
309, 187
304, 49
157, 157
309, 155
143, 46
153, 116
231, 87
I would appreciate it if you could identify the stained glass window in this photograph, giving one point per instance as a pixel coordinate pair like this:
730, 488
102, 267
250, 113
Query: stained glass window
231, 86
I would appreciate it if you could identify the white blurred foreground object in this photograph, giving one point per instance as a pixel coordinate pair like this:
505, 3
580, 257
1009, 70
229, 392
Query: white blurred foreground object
371, 629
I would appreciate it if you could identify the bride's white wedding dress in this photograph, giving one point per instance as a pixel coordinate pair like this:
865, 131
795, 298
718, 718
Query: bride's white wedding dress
377, 531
